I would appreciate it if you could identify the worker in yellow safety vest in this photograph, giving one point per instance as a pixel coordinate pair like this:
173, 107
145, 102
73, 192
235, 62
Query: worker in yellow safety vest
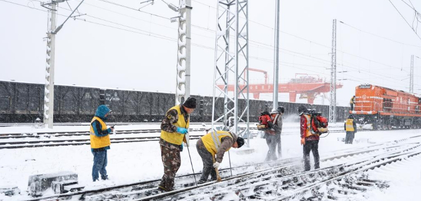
174, 127
100, 142
212, 147
352, 103
351, 128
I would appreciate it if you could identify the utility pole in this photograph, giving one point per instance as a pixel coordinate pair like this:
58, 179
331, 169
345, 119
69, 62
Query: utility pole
50, 61
332, 106
276, 65
183, 51
276, 57
411, 76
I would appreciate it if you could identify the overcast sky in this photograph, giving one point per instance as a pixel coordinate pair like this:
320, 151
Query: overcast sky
116, 46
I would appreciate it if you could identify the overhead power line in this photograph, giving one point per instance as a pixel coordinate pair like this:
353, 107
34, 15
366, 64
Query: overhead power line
327, 46
395, 41
285, 50
405, 19
23, 5
411, 6
134, 9
131, 29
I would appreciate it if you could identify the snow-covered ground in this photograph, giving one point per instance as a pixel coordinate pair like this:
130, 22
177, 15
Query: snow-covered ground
134, 162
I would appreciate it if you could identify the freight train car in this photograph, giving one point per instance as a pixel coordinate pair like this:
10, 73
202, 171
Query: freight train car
24, 103
386, 108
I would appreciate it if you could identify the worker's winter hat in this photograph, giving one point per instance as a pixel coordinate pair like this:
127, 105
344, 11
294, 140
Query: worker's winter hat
240, 142
102, 110
301, 109
280, 109
190, 103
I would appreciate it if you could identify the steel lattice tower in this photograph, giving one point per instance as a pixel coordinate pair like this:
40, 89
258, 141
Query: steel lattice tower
332, 106
231, 65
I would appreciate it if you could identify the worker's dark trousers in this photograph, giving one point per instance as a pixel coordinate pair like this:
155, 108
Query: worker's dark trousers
278, 144
313, 146
349, 138
207, 159
271, 142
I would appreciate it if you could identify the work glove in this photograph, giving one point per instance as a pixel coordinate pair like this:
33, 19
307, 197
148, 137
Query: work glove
181, 147
303, 141
216, 165
182, 130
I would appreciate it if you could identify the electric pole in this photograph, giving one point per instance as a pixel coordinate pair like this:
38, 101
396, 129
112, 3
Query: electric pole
183, 52
411, 76
276, 64
276, 57
50, 60
332, 106
49, 74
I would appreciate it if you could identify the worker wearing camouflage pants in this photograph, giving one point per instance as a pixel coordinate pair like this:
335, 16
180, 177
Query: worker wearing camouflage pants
174, 126
170, 155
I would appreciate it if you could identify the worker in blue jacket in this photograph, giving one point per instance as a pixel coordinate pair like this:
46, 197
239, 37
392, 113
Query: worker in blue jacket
100, 142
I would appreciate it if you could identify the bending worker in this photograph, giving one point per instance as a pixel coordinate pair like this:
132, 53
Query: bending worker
215, 143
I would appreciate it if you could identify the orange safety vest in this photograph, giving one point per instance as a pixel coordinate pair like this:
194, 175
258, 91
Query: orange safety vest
308, 131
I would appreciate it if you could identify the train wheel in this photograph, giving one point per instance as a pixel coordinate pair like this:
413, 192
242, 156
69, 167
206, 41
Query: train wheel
385, 127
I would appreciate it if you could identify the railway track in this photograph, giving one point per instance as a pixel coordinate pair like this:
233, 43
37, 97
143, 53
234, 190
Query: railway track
283, 183
279, 180
66, 138
74, 138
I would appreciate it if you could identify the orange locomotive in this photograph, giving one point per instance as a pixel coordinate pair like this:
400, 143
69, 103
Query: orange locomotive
386, 108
